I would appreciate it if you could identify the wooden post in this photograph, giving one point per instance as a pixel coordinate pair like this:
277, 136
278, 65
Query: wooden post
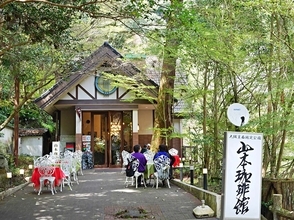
277, 204
278, 210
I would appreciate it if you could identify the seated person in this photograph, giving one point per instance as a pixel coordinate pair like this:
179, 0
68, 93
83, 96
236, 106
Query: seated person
144, 149
162, 150
172, 161
142, 161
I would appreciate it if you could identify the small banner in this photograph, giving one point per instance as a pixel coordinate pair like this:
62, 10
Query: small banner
56, 148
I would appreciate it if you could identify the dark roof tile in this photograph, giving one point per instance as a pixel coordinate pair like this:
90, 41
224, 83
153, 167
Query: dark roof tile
24, 132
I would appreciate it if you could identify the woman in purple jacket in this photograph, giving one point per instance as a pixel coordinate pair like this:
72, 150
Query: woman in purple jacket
142, 161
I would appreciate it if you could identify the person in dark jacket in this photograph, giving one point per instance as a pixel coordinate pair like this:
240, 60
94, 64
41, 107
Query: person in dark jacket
144, 149
172, 160
162, 150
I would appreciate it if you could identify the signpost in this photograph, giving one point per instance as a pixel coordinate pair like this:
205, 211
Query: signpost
242, 169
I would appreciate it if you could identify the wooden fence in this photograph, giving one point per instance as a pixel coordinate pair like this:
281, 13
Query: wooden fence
278, 212
280, 192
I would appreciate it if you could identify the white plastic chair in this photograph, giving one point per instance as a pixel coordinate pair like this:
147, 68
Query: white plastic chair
76, 163
66, 167
126, 158
149, 155
75, 158
125, 155
46, 170
46, 173
38, 161
78, 157
173, 151
76, 167
136, 174
162, 165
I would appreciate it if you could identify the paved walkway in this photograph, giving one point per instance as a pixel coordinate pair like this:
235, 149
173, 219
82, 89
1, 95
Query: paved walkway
100, 195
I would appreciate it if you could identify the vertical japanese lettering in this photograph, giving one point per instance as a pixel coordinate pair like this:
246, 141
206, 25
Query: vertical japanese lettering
243, 179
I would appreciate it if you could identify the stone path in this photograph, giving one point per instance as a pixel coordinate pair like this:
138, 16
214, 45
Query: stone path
100, 195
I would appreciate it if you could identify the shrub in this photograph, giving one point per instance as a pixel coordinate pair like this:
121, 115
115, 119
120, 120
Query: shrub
23, 163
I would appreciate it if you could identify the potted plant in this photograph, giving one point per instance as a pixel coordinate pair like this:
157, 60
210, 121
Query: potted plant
99, 145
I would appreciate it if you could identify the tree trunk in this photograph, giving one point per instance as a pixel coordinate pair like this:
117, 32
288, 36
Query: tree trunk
163, 125
16, 119
204, 122
163, 117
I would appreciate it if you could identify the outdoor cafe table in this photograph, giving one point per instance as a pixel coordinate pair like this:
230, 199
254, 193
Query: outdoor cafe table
58, 174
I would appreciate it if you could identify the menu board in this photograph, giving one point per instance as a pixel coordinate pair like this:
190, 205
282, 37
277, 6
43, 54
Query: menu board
86, 138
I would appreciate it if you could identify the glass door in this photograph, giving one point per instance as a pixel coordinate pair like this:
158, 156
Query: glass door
115, 137
106, 134
107, 139
127, 131
100, 138
121, 137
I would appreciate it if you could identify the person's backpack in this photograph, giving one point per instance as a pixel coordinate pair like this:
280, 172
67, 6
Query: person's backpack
129, 168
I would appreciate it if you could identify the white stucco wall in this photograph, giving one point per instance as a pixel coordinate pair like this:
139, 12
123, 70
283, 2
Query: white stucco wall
32, 146
145, 120
68, 122
66, 139
6, 139
67, 128
88, 84
6, 135
177, 125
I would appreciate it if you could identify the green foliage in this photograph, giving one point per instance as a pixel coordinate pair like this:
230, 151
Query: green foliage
30, 116
40, 22
17, 179
267, 204
5, 149
24, 161
40, 50
227, 51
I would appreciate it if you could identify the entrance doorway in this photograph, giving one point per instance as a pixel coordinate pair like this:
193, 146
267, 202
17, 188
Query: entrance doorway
106, 134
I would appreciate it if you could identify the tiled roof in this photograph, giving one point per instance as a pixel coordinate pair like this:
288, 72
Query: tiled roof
105, 55
24, 132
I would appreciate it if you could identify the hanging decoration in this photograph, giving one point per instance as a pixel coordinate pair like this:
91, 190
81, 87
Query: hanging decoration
79, 111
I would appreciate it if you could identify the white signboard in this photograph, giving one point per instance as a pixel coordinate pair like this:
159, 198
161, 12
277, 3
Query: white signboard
56, 148
242, 176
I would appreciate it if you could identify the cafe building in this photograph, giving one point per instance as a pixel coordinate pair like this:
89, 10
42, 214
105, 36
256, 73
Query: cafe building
93, 115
